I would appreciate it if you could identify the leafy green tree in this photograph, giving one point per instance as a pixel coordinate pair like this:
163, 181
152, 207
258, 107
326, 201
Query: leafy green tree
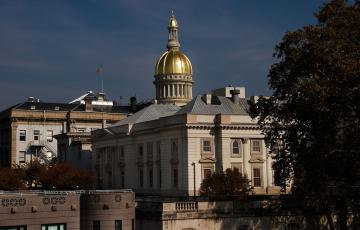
228, 183
312, 120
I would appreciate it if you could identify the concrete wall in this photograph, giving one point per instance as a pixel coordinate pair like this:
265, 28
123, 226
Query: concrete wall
76, 209
34, 210
106, 208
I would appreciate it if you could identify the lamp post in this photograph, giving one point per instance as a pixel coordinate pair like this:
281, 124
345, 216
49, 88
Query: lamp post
193, 164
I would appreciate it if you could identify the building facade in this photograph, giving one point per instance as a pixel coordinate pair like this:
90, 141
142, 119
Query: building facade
168, 150
27, 129
67, 210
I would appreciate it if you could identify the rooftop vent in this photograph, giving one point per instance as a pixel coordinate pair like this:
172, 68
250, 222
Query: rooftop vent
235, 96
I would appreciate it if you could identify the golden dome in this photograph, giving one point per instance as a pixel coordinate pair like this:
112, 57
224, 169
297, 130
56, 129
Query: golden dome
173, 62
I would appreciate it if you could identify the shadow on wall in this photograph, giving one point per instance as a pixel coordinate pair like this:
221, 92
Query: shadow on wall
262, 214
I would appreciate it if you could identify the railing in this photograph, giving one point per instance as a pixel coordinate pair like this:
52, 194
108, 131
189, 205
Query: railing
43, 144
186, 206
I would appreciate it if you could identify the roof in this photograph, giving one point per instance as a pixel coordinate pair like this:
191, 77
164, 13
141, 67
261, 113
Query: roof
219, 104
152, 112
51, 106
46, 106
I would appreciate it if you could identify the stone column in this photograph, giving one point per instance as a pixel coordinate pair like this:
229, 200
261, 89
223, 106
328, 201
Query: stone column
246, 157
13, 154
268, 168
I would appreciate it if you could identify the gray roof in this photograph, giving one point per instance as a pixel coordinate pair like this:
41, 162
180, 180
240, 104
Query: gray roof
152, 112
219, 104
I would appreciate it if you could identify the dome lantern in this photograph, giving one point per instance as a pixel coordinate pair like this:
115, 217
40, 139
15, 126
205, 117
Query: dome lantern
173, 71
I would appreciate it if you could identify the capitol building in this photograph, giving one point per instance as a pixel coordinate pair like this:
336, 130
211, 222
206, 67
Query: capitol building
170, 146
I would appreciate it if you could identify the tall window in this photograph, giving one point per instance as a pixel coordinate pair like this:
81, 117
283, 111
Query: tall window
118, 224
22, 136
96, 225
149, 149
22, 156
53, 227
207, 173
150, 178
206, 146
122, 178
256, 146
159, 175
174, 149
174, 146
36, 135
257, 177
158, 159
175, 178
236, 148
49, 135
132, 224
122, 152
141, 177
141, 152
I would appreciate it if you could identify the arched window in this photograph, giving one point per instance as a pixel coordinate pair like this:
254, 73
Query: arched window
236, 148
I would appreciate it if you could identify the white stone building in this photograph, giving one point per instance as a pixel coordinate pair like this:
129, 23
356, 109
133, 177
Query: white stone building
166, 149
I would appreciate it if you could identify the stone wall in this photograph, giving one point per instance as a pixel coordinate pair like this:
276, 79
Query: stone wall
277, 214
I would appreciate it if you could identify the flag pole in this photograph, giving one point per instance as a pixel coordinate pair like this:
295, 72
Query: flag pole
100, 71
102, 82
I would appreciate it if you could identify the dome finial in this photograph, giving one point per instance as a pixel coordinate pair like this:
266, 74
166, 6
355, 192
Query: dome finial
173, 41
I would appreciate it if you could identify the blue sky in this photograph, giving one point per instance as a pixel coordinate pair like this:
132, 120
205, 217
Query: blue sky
50, 49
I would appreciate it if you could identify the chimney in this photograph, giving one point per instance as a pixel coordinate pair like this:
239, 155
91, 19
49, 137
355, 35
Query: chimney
88, 103
235, 96
101, 96
207, 98
133, 104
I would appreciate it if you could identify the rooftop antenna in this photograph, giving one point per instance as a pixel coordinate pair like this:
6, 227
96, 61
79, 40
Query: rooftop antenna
100, 71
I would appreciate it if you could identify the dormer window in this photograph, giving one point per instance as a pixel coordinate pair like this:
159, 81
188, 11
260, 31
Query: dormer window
33, 107
57, 108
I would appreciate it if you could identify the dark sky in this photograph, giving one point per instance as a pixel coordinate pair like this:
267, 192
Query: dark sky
50, 49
